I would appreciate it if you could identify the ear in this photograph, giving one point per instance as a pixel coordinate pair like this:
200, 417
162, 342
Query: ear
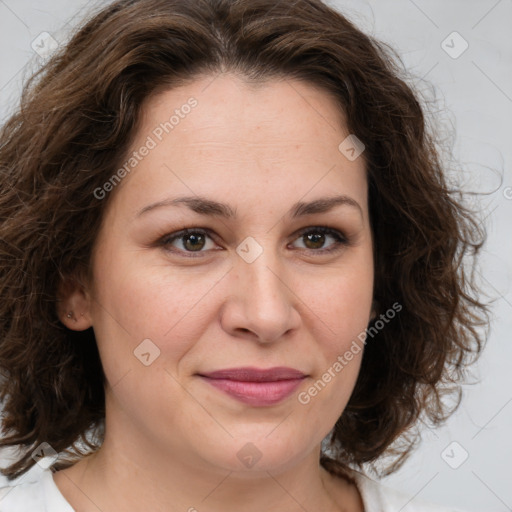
74, 304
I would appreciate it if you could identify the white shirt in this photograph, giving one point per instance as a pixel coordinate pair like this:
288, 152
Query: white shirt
38, 493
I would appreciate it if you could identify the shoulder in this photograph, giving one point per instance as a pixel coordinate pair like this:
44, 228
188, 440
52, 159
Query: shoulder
380, 498
33, 492
22, 496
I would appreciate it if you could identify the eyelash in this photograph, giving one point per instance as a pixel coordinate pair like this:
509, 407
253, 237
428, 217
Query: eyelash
341, 240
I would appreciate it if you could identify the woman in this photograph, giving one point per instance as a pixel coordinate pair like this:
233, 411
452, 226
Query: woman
231, 265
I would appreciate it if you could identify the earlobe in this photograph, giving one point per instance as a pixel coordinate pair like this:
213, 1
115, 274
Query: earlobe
73, 305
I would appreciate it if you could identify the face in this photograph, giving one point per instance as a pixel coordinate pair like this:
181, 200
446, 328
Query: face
272, 272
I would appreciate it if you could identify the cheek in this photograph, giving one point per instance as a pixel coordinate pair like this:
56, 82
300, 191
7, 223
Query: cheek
339, 317
135, 301
339, 310
339, 304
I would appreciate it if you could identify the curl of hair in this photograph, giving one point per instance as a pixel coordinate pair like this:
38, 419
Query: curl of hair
77, 118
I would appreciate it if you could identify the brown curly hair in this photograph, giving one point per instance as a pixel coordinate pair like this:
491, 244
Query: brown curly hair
78, 116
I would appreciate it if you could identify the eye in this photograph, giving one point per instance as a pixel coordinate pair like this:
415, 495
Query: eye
192, 242
188, 241
315, 238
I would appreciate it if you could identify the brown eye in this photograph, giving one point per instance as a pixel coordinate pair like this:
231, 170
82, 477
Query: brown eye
315, 239
194, 241
188, 241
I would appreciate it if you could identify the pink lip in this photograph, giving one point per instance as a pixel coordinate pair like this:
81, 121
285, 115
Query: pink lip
254, 386
251, 374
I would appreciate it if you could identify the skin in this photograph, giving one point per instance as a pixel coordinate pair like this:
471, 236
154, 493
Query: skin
172, 439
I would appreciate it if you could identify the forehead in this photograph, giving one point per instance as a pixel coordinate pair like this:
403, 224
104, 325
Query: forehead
220, 135
228, 107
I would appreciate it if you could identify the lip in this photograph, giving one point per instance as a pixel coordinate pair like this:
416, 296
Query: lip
254, 386
251, 374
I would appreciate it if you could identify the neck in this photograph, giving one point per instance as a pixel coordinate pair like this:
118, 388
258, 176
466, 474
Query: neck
130, 473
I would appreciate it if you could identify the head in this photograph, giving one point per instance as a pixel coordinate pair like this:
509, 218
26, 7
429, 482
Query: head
256, 105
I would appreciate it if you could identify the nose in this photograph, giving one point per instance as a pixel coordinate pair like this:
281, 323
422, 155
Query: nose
261, 304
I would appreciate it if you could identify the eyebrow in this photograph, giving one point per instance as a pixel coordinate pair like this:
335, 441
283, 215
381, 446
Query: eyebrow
209, 207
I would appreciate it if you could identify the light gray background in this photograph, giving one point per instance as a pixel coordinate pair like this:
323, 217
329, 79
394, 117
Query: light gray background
475, 94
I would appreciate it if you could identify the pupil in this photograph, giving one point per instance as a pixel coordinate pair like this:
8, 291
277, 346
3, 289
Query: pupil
194, 242
317, 240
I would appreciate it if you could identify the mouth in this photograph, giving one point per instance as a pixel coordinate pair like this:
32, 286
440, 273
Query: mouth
254, 386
